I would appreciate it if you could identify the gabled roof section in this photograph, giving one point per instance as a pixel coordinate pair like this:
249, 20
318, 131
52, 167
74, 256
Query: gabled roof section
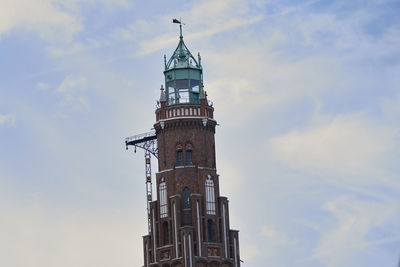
182, 58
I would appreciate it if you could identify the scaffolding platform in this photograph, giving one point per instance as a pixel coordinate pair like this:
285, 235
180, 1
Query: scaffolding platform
146, 141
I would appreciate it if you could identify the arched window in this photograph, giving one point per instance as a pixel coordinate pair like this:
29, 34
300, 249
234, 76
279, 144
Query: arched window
163, 198
166, 233
210, 195
210, 230
186, 198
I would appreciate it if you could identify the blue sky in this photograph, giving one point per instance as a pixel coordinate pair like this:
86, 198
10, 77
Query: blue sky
307, 95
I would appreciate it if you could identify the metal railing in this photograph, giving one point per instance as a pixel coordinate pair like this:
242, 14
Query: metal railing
141, 137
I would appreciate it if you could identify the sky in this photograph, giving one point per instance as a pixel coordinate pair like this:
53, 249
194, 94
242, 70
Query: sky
306, 94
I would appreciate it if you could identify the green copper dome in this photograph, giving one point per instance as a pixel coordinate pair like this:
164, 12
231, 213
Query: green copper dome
183, 76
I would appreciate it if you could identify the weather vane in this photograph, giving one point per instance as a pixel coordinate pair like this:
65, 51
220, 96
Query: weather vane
180, 24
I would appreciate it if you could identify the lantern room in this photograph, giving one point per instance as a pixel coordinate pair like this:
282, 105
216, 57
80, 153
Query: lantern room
183, 76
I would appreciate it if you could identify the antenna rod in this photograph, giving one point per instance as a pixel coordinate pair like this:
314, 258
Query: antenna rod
180, 25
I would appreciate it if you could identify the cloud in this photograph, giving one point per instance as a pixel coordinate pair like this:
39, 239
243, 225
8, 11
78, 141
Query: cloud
155, 44
250, 252
76, 5
235, 182
356, 219
276, 237
74, 48
391, 107
43, 86
344, 145
47, 236
237, 81
72, 89
297, 53
65, 51
134, 31
222, 16
7, 118
43, 17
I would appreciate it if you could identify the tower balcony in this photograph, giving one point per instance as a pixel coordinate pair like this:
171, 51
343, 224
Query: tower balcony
185, 110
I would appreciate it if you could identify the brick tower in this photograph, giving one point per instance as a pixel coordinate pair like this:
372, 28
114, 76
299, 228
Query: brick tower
189, 221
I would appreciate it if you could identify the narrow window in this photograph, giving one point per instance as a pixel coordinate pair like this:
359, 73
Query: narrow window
183, 91
194, 91
179, 158
210, 230
186, 198
210, 195
163, 198
183, 95
171, 95
194, 84
166, 233
189, 157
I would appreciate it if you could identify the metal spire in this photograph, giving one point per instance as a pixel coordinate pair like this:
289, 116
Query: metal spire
181, 56
162, 95
180, 26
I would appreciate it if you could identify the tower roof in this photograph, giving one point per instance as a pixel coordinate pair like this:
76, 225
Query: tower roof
182, 58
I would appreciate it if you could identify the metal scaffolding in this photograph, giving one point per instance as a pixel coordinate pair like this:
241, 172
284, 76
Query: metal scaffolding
147, 142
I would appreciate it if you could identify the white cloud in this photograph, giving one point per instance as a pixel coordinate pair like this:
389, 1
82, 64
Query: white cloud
42, 86
155, 44
33, 235
345, 145
231, 185
356, 218
41, 16
65, 51
77, 47
76, 5
250, 252
238, 80
135, 31
275, 237
7, 118
72, 89
222, 16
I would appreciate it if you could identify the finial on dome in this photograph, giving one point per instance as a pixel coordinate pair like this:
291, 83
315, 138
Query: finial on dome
202, 93
162, 96
199, 58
